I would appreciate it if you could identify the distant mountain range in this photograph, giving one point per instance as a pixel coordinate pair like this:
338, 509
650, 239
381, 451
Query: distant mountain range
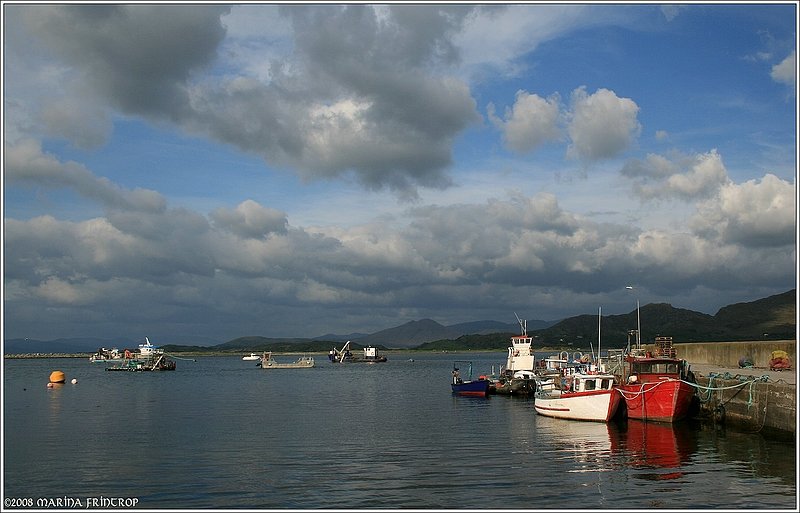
770, 318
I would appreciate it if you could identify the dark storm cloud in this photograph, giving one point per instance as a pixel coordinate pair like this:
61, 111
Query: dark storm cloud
138, 56
356, 97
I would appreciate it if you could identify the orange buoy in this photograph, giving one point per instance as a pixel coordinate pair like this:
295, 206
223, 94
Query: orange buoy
57, 377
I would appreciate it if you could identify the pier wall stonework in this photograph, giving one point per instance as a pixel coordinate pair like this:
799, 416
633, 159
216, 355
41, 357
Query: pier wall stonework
766, 407
732, 398
727, 354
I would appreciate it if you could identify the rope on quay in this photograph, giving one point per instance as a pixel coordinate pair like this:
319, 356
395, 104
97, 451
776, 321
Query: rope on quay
633, 395
743, 381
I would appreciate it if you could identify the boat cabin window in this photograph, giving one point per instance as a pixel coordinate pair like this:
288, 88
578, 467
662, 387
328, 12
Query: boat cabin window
589, 384
606, 384
655, 368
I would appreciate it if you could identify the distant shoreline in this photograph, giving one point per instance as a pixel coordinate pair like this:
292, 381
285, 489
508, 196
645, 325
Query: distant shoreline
32, 356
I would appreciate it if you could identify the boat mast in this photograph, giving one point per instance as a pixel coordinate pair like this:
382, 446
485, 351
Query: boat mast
638, 327
638, 322
599, 354
523, 325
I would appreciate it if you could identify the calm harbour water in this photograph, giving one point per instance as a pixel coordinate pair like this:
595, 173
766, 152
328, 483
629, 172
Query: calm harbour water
222, 433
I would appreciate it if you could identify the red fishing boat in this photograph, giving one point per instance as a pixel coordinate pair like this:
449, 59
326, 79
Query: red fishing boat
656, 386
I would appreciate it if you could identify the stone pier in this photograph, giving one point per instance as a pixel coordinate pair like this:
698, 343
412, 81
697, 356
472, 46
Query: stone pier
751, 398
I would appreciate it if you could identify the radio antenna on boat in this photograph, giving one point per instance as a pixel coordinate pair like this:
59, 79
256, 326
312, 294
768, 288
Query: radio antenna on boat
523, 325
599, 354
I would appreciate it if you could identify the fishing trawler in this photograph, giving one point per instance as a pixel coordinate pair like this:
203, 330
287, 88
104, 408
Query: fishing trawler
517, 376
656, 385
584, 391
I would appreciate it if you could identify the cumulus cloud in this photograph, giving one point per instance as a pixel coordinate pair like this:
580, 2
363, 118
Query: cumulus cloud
530, 123
139, 57
27, 164
680, 177
786, 71
356, 95
250, 220
496, 256
672, 11
756, 213
601, 125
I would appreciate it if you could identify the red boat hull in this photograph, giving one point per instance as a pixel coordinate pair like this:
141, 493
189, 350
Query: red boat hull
666, 400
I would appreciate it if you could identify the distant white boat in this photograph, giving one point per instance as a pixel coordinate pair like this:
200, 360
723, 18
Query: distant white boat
252, 357
106, 355
147, 349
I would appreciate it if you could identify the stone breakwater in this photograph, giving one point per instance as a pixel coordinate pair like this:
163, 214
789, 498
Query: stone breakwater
751, 398
749, 403
45, 355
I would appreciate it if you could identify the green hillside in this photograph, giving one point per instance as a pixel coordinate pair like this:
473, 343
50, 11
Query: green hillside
771, 318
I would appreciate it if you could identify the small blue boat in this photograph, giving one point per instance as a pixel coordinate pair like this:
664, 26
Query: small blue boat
470, 387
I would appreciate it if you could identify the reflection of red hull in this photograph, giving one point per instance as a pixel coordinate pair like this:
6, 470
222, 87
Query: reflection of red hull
666, 400
655, 444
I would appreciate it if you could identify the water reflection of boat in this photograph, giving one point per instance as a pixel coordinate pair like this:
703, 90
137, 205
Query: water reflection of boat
654, 445
588, 443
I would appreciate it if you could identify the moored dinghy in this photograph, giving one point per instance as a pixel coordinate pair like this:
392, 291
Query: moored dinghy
468, 387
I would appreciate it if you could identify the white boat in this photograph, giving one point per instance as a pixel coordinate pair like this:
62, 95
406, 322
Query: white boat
104, 355
253, 357
579, 392
516, 377
147, 349
582, 395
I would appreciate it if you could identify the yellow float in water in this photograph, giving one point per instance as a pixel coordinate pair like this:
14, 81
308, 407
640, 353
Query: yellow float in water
57, 377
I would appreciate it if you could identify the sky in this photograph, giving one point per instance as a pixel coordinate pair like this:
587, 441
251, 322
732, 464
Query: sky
205, 172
